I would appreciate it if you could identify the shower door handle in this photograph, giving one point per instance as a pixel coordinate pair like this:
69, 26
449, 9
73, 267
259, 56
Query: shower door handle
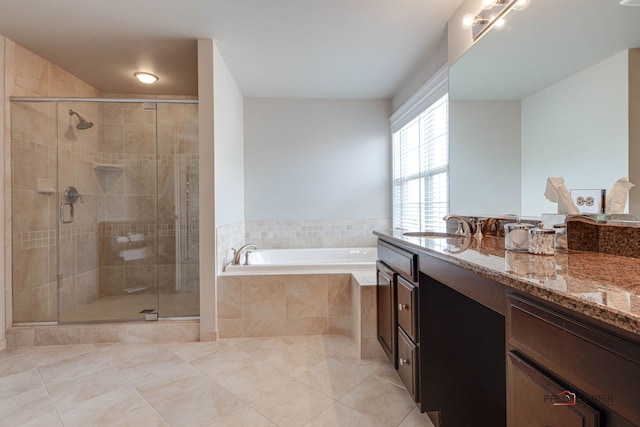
63, 210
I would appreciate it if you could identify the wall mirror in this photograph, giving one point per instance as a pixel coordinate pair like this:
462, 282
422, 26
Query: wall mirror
569, 67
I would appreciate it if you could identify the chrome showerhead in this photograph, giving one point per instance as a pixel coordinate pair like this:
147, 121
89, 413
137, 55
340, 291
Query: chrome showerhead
82, 123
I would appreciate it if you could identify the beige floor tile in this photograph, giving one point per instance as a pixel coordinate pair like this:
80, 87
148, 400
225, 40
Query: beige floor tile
243, 417
148, 364
252, 380
295, 359
27, 407
333, 345
334, 378
339, 415
416, 419
16, 364
70, 392
166, 385
11, 352
72, 367
248, 382
45, 355
198, 407
225, 360
117, 353
19, 383
262, 348
194, 350
292, 404
381, 400
122, 406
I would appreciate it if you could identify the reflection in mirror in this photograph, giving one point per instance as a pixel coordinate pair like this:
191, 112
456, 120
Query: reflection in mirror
555, 93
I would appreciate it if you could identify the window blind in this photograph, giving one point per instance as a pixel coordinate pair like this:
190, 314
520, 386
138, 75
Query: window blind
421, 169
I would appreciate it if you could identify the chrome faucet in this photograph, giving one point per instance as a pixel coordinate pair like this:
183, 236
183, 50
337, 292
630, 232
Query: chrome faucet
464, 226
238, 253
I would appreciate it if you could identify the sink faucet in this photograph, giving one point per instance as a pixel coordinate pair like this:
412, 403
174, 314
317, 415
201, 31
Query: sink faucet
238, 253
464, 226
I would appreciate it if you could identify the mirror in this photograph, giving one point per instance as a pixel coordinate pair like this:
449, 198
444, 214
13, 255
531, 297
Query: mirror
550, 94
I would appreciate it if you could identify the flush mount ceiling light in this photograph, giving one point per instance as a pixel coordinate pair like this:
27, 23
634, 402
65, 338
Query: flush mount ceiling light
146, 78
630, 2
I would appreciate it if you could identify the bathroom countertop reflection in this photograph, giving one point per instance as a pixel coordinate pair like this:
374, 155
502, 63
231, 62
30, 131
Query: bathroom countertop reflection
601, 286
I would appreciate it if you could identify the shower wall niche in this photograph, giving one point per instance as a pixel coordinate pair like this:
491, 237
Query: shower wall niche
127, 247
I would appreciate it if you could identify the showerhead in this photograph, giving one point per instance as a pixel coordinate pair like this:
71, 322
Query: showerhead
82, 123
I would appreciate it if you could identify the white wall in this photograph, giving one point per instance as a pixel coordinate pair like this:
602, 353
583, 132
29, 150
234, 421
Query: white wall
424, 71
229, 149
556, 142
317, 159
484, 156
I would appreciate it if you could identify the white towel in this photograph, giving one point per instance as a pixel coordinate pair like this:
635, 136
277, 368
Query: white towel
122, 239
133, 254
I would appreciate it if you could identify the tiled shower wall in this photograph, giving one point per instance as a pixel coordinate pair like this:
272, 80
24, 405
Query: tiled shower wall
108, 197
27, 74
138, 252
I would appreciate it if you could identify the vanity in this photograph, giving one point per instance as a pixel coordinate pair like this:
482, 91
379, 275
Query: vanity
484, 336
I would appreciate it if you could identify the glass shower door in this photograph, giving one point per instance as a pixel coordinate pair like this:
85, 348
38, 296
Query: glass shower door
107, 216
178, 207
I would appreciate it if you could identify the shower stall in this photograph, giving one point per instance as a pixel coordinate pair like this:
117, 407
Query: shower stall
104, 210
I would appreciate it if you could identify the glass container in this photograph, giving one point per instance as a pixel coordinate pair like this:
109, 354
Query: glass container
542, 241
516, 236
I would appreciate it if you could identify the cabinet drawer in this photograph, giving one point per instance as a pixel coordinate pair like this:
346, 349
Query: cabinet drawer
536, 400
407, 364
407, 309
404, 262
592, 360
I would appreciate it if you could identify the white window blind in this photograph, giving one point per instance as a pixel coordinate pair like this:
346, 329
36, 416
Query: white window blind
421, 169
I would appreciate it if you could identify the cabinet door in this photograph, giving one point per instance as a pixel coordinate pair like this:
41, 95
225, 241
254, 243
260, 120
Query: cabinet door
385, 305
536, 400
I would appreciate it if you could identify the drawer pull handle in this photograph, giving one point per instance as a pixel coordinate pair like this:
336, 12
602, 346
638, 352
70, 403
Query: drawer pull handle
403, 361
403, 307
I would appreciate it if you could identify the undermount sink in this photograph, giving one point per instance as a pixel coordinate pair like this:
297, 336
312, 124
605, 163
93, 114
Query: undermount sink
432, 235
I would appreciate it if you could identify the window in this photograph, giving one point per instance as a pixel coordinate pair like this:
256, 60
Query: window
421, 168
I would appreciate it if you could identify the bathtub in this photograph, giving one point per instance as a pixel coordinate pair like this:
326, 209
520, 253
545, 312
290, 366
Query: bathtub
306, 259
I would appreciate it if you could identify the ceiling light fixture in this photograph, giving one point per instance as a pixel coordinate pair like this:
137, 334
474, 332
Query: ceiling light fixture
492, 15
146, 78
630, 2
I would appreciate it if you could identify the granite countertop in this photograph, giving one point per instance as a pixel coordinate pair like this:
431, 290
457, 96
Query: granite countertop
601, 286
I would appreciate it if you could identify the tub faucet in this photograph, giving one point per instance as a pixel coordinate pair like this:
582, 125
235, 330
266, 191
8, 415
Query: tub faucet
464, 226
238, 253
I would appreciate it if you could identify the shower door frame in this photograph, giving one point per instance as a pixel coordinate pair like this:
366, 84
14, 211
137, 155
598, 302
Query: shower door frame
177, 223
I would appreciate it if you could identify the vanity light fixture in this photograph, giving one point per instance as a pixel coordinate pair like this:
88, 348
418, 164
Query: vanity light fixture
146, 78
496, 10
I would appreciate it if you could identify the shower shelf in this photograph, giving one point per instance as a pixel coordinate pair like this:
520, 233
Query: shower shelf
107, 167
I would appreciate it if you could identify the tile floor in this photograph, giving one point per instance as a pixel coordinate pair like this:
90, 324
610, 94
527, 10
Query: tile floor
284, 381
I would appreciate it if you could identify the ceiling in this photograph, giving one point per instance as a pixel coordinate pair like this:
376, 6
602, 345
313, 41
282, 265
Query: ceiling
274, 48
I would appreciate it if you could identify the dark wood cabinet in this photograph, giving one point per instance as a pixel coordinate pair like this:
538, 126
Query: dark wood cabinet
385, 301
537, 400
472, 351
601, 368
397, 302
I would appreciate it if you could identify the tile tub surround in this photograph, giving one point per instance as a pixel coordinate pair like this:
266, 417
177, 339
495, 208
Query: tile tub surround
231, 382
314, 233
300, 304
601, 286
